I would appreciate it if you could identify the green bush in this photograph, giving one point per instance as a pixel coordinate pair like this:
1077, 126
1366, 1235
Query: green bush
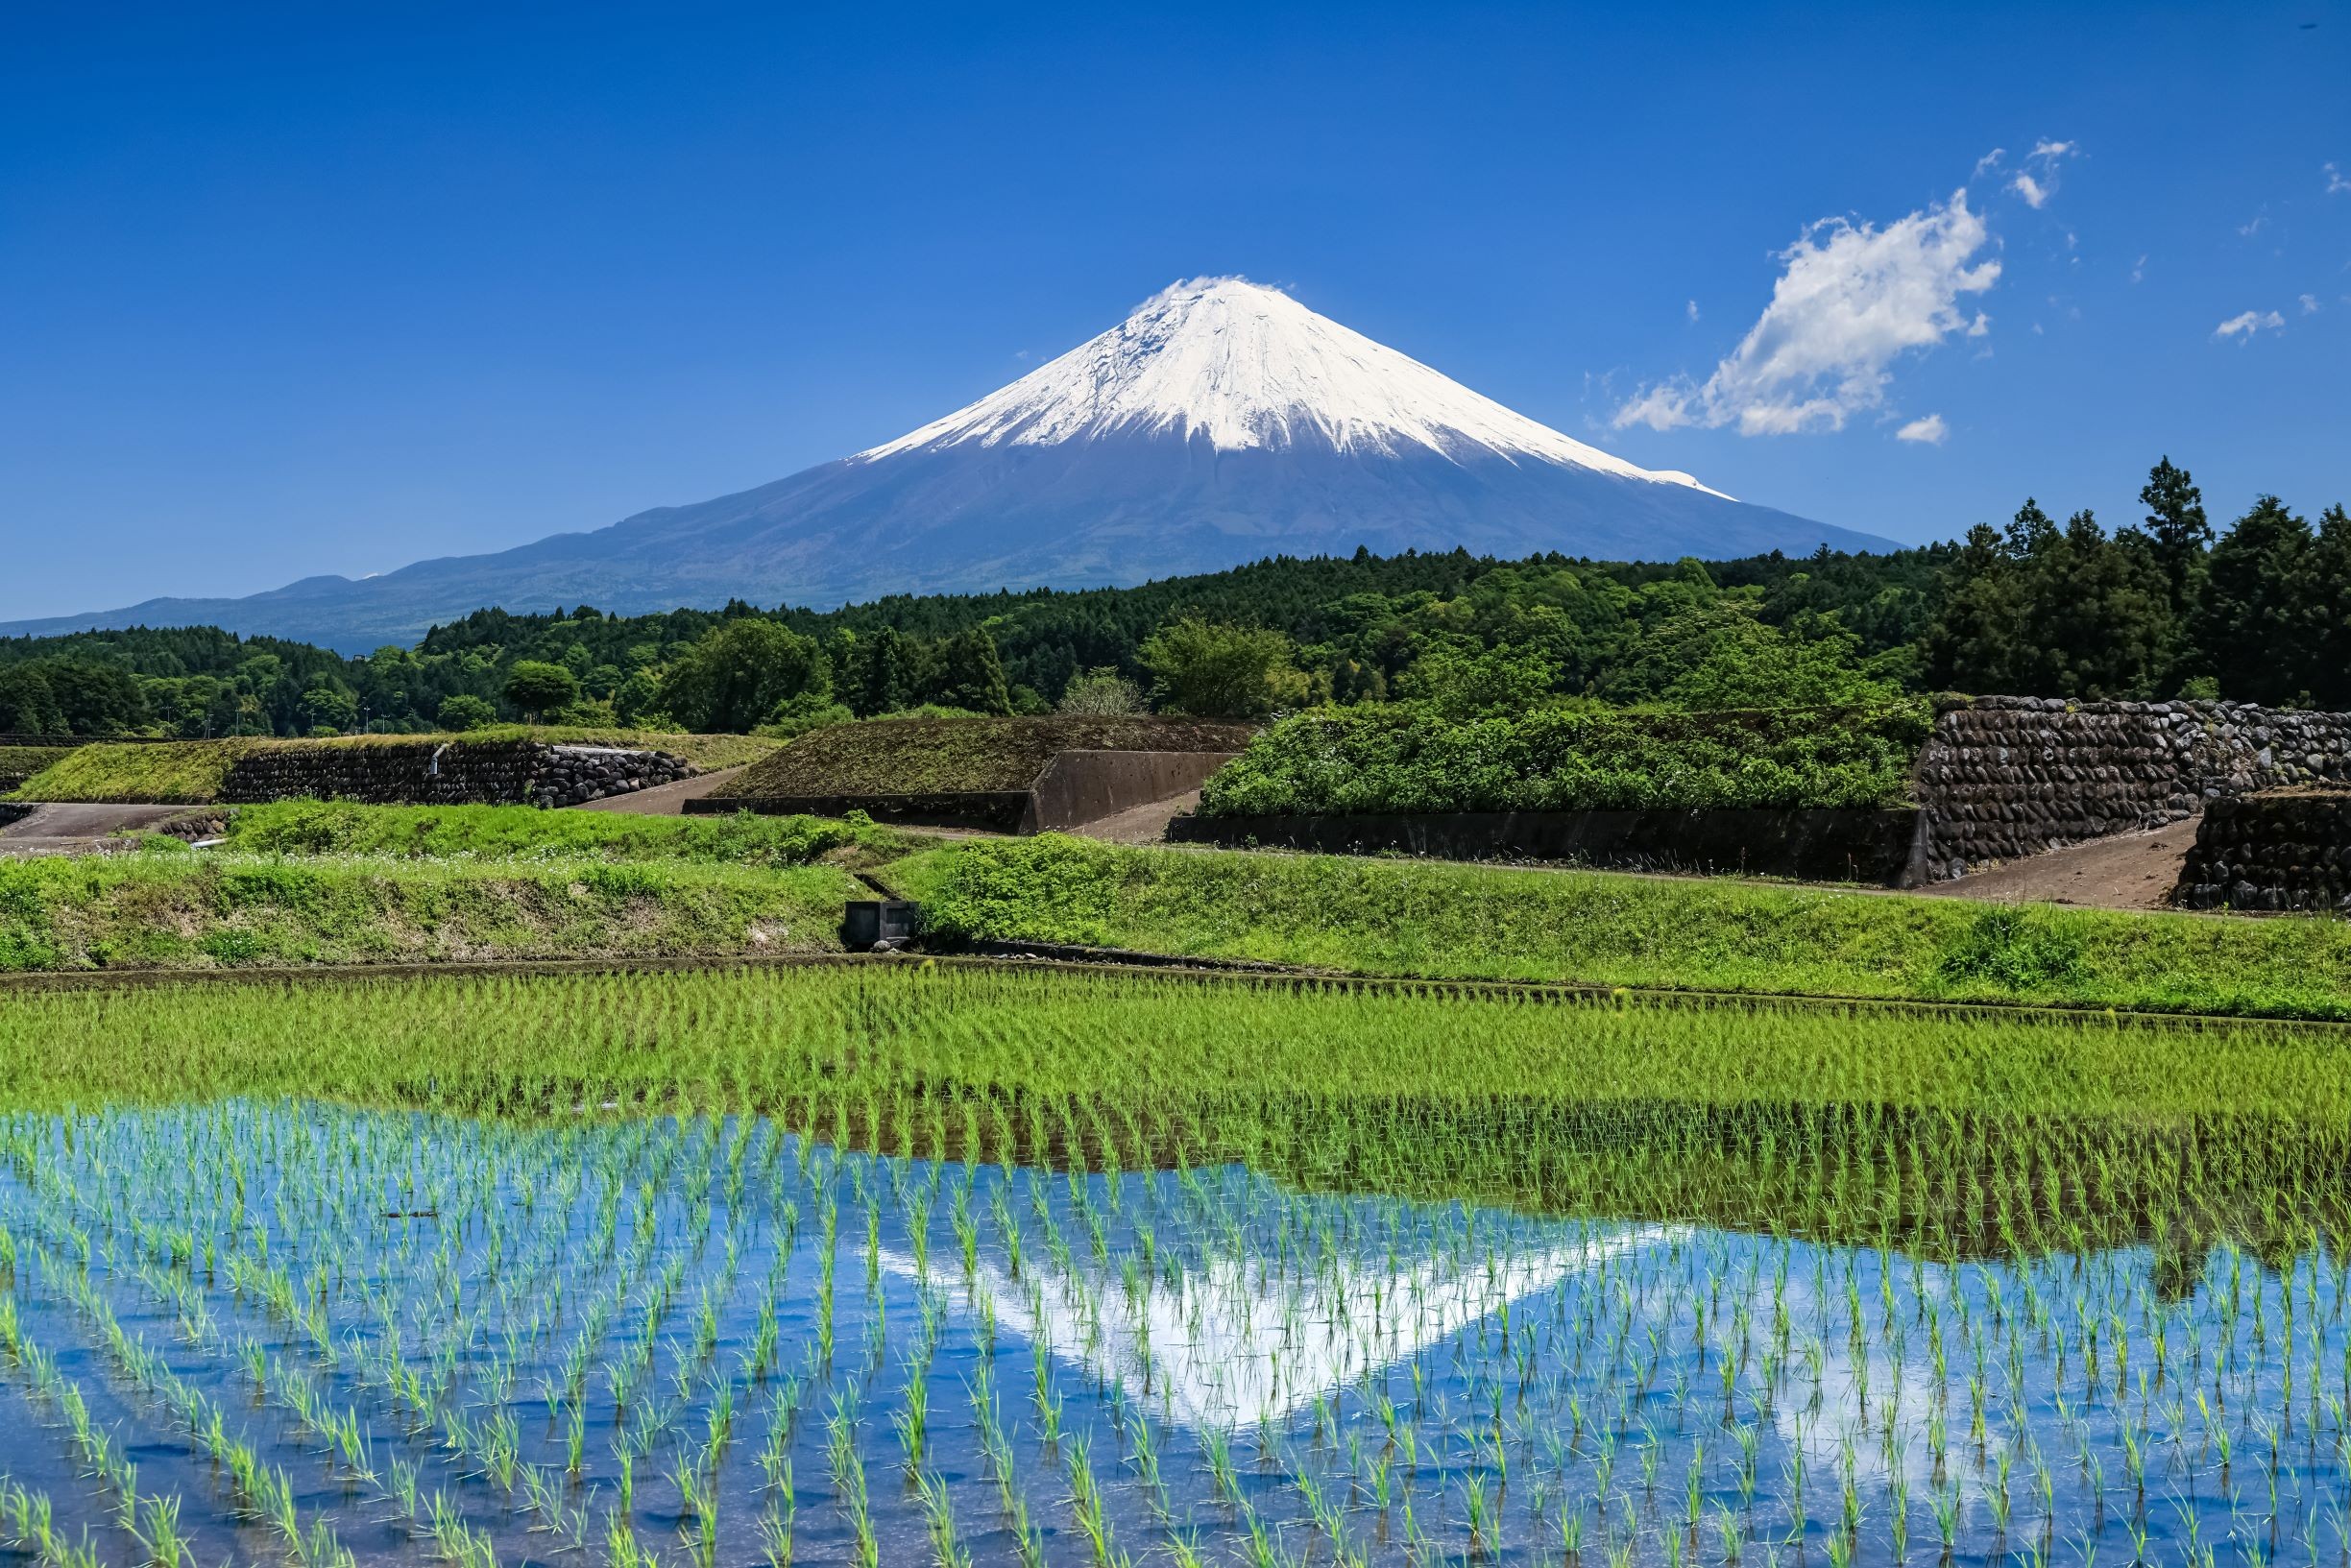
1364, 761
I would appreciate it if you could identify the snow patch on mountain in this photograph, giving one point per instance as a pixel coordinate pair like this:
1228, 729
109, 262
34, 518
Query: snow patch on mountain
1244, 367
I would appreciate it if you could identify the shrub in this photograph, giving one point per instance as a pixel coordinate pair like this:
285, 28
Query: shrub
1362, 760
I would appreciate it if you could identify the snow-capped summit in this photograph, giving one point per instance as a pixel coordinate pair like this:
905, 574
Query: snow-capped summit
1242, 366
1222, 422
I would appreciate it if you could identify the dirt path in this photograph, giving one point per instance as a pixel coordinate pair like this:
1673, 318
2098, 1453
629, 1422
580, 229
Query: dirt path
663, 799
2128, 871
77, 830
1139, 824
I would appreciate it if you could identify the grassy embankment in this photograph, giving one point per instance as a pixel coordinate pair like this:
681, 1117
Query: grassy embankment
17, 763
915, 757
1418, 918
184, 912
302, 882
191, 772
523, 832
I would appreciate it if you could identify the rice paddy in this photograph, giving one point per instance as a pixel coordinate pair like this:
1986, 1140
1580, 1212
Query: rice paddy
904, 1266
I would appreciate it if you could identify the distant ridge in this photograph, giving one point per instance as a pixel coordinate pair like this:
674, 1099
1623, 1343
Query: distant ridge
1220, 422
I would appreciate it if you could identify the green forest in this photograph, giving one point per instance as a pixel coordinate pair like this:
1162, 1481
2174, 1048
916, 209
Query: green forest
2167, 605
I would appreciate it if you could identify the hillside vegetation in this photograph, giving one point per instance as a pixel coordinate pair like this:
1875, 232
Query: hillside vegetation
902, 757
1380, 760
1421, 918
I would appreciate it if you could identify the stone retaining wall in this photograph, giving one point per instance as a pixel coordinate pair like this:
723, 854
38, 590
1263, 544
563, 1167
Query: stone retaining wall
2002, 778
2278, 850
438, 773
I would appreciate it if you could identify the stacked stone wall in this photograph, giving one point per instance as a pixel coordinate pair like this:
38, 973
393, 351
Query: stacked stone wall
2002, 778
2277, 850
437, 773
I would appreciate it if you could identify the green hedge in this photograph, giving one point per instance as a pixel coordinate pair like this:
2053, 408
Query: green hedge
1366, 761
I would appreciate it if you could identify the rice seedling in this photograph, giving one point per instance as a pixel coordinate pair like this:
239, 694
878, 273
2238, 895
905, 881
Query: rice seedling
505, 1271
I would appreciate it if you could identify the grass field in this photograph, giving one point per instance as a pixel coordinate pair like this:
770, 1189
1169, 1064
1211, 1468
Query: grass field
902, 756
214, 911
191, 772
1403, 917
523, 832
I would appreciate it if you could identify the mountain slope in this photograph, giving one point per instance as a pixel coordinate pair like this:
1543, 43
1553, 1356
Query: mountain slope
1220, 422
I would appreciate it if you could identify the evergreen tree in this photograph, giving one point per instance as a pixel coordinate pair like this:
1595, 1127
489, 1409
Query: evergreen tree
2259, 622
2329, 581
887, 676
971, 674
2176, 523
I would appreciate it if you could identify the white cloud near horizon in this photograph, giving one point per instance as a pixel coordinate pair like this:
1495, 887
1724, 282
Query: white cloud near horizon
1851, 300
2246, 324
1930, 430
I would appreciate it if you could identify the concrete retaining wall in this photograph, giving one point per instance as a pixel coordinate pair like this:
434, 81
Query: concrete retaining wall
2002, 778
1082, 786
988, 810
1075, 787
1872, 847
2282, 850
435, 773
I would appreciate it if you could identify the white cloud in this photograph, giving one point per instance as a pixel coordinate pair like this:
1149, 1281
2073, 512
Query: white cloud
2248, 322
2038, 185
1851, 300
1932, 430
2336, 184
2309, 304
1693, 310
2138, 269
2260, 219
1988, 162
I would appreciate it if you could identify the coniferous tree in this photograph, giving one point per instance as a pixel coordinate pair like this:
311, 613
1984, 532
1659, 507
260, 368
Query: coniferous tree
971, 674
2258, 623
2176, 523
2328, 582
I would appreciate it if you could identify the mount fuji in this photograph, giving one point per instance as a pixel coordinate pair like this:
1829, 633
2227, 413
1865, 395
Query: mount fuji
1220, 422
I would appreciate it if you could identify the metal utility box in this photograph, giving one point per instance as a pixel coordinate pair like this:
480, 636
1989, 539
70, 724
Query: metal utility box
872, 921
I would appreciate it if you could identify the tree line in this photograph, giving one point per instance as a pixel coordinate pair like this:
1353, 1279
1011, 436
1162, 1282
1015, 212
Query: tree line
2166, 605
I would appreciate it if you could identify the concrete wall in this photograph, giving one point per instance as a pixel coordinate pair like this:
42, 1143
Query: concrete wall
434, 773
1076, 787
2002, 778
2279, 850
1874, 847
1082, 786
989, 810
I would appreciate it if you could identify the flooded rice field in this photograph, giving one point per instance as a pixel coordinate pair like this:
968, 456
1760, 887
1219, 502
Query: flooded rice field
242, 1329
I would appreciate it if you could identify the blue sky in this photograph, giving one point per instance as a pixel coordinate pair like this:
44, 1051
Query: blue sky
309, 289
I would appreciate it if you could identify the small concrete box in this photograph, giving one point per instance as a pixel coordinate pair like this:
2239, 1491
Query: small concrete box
878, 920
